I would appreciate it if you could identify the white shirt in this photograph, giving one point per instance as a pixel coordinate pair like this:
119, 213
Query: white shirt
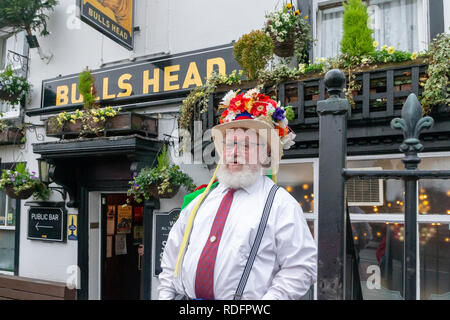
285, 266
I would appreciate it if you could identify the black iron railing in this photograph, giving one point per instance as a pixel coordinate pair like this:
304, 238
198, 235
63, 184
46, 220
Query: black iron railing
335, 245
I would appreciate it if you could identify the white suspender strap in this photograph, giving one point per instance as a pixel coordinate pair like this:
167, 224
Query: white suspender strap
256, 243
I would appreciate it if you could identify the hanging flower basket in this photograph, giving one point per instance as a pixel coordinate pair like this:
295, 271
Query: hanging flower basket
153, 190
283, 49
24, 194
9, 96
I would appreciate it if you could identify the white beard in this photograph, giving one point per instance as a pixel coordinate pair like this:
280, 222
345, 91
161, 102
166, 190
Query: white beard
241, 179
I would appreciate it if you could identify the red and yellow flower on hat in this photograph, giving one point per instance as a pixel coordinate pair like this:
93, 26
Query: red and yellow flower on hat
255, 105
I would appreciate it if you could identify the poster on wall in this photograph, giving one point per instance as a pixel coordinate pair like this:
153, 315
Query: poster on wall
124, 216
73, 227
110, 225
121, 244
113, 18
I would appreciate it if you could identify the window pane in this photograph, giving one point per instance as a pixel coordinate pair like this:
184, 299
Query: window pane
11, 212
2, 208
434, 194
395, 23
330, 30
7, 250
373, 196
380, 250
297, 179
434, 261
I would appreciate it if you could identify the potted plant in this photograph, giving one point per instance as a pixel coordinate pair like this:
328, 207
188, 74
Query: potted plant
21, 184
252, 51
162, 181
290, 32
357, 38
28, 15
13, 87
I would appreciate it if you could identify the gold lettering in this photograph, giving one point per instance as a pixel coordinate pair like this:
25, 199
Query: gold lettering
105, 90
210, 63
169, 78
151, 82
125, 86
192, 76
62, 95
73, 95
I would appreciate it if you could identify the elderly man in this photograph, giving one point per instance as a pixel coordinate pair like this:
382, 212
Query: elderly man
246, 238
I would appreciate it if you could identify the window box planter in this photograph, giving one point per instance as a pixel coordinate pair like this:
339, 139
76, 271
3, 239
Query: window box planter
11, 135
122, 124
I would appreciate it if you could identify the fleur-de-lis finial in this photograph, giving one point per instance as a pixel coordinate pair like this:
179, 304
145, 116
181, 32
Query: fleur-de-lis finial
411, 123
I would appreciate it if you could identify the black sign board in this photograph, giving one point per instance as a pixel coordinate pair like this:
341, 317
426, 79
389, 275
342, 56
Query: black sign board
112, 18
143, 80
47, 223
163, 224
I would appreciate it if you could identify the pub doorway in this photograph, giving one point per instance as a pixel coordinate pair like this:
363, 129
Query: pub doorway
121, 235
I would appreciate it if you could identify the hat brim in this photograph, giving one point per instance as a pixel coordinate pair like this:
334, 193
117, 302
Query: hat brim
262, 128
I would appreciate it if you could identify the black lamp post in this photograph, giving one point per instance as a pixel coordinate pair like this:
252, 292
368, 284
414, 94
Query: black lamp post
46, 171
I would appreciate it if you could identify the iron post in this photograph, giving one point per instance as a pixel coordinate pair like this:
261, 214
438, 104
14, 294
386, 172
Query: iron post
333, 114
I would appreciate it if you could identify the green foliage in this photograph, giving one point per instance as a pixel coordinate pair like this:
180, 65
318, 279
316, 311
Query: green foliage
437, 89
29, 15
21, 179
357, 37
13, 88
87, 89
164, 175
253, 51
290, 114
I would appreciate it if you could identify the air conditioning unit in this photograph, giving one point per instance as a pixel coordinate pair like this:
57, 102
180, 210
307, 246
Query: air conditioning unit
364, 192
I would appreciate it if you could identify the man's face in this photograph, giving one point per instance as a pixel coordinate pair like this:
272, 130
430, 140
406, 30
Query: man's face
243, 147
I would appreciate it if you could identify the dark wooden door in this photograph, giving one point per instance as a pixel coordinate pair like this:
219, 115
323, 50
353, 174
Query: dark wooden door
122, 230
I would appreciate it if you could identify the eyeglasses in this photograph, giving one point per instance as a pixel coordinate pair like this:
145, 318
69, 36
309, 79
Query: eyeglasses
241, 145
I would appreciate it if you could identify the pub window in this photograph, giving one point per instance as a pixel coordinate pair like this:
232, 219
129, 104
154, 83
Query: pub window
398, 23
378, 231
298, 177
7, 232
8, 44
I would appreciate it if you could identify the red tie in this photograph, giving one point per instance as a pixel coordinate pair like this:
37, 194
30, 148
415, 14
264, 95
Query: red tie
204, 278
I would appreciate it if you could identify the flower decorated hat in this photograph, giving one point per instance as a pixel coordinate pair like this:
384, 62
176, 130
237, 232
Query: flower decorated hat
256, 111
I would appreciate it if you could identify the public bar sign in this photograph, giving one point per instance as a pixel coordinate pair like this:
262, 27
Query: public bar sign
47, 223
163, 224
113, 18
144, 79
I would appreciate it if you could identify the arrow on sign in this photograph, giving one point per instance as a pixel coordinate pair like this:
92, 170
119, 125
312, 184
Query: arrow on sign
38, 226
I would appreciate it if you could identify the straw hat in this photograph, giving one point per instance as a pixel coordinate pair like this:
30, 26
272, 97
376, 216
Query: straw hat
262, 115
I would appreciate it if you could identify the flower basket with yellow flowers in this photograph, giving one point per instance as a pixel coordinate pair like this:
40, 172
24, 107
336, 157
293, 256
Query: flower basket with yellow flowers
290, 32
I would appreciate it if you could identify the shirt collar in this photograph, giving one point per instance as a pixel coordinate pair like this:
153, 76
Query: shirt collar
249, 189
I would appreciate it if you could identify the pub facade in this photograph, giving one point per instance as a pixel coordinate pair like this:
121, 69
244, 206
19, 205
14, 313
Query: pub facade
146, 64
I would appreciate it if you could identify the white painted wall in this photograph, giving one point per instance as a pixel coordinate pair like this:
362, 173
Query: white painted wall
447, 15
